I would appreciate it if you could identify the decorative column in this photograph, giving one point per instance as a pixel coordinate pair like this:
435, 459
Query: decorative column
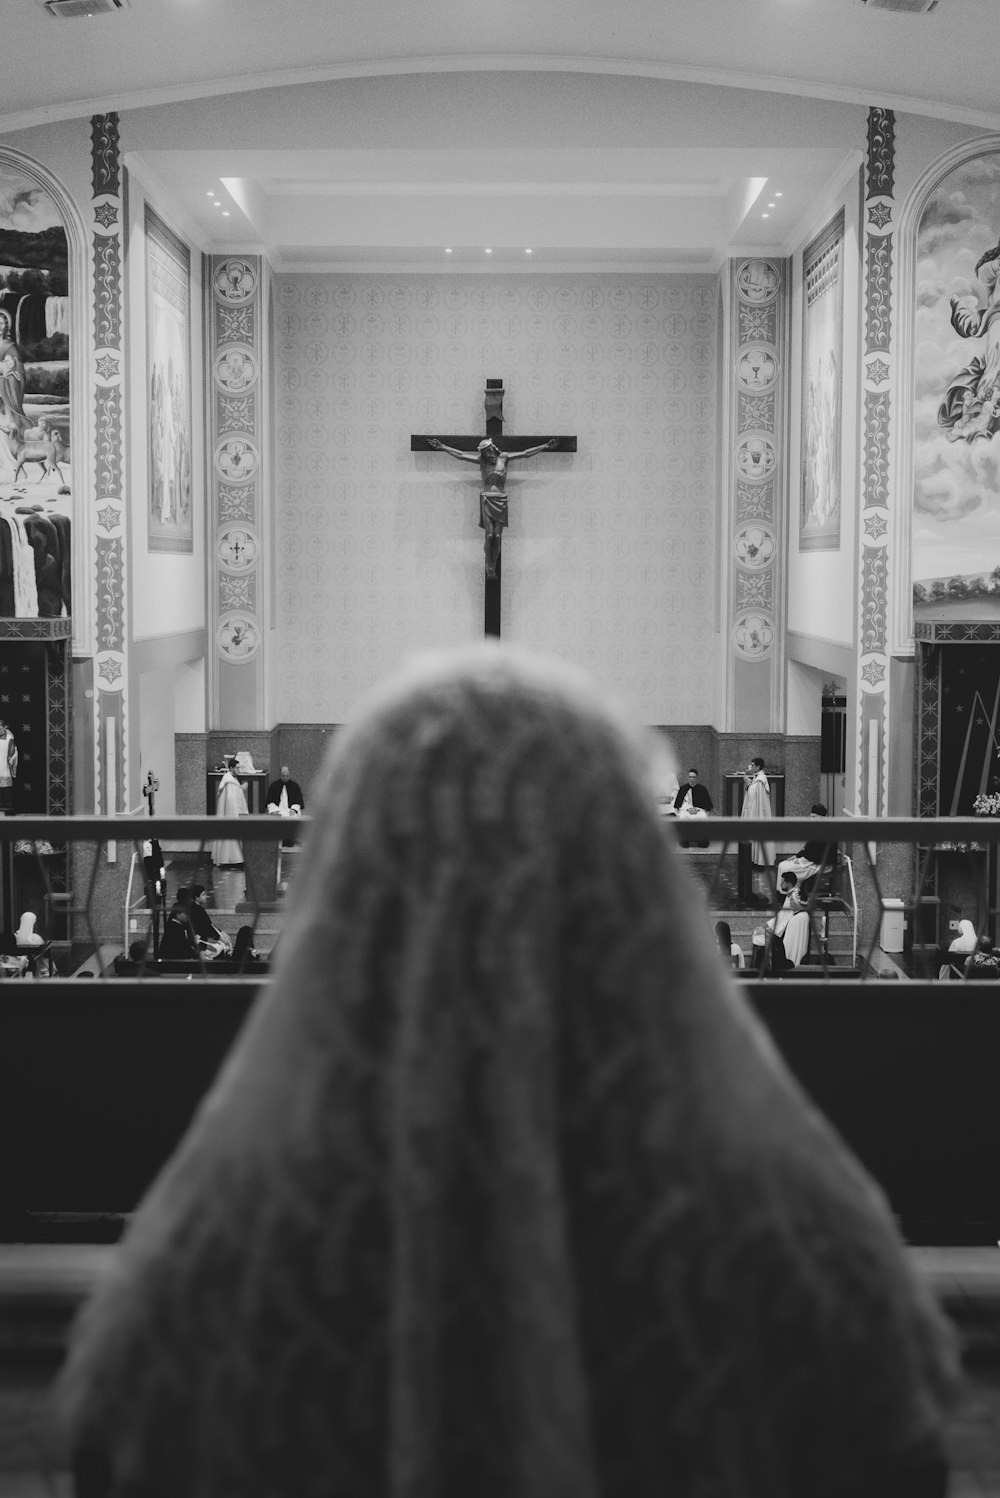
877, 377
236, 437
758, 333
109, 499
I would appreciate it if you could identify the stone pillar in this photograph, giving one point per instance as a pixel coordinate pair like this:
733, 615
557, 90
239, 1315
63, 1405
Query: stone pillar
877, 376
108, 498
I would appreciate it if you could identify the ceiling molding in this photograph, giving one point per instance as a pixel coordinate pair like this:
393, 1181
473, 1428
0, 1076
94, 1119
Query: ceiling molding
510, 63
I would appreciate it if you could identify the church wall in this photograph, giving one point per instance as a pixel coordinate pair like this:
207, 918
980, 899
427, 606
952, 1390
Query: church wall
166, 556
155, 701
608, 557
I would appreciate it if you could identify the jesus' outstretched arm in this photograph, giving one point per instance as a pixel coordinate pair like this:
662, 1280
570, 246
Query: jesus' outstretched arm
529, 452
453, 452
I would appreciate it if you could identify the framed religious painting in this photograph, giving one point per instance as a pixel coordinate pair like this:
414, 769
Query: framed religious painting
955, 536
822, 388
168, 386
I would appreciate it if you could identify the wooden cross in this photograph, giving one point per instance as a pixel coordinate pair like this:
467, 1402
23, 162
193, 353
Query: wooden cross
493, 497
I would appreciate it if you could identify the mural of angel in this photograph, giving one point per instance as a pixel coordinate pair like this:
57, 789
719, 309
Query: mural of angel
971, 406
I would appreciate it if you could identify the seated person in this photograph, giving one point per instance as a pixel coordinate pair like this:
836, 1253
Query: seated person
284, 796
243, 948
692, 800
790, 923
811, 858
134, 964
953, 958
984, 962
212, 941
178, 942
732, 952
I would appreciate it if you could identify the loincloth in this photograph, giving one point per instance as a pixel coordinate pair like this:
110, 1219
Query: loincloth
493, 509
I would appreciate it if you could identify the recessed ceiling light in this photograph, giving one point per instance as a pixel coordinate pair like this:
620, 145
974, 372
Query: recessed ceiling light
488, 252
210, 193
770, 205
225, 213
765, 215
779, 195
529, 252
447, 252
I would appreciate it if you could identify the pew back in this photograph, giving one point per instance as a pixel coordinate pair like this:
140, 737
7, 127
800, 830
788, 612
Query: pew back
99, 1081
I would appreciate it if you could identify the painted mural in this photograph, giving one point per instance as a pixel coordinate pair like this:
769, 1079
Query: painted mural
35, 482
168, 354
956, 460
822, 360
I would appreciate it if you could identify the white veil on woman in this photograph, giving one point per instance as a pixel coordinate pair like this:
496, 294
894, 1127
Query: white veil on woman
503, 1193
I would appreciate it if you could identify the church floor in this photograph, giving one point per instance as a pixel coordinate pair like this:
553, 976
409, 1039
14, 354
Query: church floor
41, 1286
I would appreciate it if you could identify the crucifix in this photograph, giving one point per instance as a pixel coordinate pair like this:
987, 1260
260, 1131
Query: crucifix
492, 460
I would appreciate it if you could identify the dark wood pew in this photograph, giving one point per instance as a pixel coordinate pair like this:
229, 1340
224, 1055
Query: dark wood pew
98, 1082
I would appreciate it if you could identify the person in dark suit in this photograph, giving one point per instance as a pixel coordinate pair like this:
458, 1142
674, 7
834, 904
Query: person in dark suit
207, 933
179, 942
284, 796
692, 796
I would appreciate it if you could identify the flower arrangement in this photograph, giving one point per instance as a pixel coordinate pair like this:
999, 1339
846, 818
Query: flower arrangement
987, 804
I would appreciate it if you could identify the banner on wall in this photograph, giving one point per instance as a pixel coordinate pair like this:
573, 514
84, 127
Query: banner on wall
168, 385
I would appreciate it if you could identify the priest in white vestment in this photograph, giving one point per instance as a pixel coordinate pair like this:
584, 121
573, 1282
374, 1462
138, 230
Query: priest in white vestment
230, 801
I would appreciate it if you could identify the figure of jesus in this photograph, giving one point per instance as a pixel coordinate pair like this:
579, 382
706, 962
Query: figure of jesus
493, 495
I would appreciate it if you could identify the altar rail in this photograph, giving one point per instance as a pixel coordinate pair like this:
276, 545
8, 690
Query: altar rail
919, 874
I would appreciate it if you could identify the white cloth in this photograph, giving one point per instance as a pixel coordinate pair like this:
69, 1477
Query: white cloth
667, 789
965, 941
230, 801
792, 925
8, 758
802, 868
26, 935
756, 804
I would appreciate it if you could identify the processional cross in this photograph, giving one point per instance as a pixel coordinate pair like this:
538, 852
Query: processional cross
492, 462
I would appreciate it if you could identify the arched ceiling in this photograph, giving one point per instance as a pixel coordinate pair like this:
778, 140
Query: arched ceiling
574, 191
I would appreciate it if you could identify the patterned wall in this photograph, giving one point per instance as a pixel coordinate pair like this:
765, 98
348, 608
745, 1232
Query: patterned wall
236, 427
758, 484
608, 560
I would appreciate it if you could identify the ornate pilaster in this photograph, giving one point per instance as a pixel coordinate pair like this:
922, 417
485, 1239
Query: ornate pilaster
108, 497
757, 478
236, 358
876, 490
